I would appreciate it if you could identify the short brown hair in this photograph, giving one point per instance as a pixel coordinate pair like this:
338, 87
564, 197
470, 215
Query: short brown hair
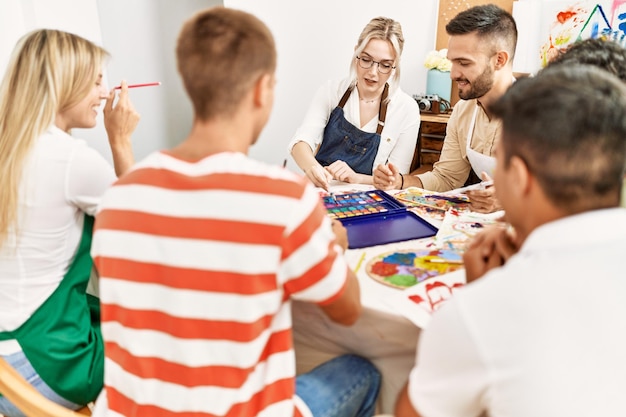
489, 22
568, 125
221, 52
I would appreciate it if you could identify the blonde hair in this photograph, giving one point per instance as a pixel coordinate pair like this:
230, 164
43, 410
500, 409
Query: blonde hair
385, 29
49, 71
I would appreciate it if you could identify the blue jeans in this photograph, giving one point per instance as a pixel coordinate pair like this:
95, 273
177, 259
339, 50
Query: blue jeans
346, 386
22, 365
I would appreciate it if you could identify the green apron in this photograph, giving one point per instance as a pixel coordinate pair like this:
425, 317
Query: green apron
62, 339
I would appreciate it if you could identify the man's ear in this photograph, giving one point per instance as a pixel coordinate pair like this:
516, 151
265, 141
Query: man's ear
264, 90
502, 59
522, 178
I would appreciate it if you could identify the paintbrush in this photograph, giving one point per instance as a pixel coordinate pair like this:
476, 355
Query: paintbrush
139, 85
445, 261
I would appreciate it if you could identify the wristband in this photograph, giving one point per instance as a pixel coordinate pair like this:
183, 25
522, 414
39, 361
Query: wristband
402, 184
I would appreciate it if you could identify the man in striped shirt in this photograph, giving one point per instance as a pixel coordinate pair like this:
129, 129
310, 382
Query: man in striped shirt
200, 250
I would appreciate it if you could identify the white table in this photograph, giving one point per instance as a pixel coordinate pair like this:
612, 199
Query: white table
381, 334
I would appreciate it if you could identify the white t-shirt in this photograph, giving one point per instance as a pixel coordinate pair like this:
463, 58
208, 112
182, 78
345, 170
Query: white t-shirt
543, 336
63, 178
398, 137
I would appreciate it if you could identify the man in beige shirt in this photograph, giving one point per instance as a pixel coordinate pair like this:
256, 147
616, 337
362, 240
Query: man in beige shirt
481, 48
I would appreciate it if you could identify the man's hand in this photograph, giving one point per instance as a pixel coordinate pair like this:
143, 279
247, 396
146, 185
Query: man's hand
488, 250
484, 201
387, 177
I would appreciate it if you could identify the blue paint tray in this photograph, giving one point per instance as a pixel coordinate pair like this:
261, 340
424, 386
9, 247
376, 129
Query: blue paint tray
375, 218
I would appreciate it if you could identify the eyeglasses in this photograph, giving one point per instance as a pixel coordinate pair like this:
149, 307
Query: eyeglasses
366, 63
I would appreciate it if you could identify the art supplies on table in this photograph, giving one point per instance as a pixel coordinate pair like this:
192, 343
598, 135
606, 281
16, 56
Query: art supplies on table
431, 203
417, 303
405, 268
439, 201
458, 227
374, 218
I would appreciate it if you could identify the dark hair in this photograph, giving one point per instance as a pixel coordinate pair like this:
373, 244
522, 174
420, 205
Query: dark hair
568, 124
221, 52
488, 21
605, 54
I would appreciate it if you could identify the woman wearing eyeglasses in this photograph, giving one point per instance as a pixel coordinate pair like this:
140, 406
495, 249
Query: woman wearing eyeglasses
365, 120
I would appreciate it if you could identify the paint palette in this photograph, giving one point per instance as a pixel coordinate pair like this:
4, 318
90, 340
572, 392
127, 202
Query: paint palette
405, 268
375, 218
343, 206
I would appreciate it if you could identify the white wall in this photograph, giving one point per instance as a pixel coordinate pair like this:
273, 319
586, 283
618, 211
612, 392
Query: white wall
140, 35
143, 41
315, 41
20, 16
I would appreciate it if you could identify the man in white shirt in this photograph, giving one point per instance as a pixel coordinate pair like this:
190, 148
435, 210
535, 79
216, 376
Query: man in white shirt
541, 333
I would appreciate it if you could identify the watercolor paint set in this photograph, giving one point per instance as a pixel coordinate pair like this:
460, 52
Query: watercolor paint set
375, 218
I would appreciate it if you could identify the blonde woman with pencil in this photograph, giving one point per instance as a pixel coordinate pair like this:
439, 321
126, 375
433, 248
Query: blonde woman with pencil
50, 186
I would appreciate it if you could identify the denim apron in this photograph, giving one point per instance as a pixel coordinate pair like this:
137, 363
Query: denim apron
344, 141
62, 338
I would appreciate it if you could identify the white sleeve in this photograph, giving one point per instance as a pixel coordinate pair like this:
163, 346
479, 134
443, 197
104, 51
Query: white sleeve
449, 378
402, 153
312, 128
88, 176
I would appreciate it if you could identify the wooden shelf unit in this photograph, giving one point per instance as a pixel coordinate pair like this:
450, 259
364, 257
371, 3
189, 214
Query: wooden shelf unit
430, 139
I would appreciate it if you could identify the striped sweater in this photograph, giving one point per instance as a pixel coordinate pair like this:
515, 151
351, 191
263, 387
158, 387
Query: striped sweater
198, 262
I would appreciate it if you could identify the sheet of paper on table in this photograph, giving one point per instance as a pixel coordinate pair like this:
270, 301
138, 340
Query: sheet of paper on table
418, 302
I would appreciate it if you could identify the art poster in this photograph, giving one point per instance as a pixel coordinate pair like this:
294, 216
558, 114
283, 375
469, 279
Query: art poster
570, 23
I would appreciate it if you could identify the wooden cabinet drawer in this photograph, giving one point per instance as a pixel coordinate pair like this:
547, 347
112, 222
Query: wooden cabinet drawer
429, 157
434, 143
430, 142
432, 128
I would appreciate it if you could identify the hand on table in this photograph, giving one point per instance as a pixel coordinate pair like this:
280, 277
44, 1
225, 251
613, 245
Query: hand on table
319, 176
386, 177
341, 233
488, 250
341, 171
484, 201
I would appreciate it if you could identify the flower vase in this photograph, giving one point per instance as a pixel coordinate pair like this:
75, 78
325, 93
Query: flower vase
439, 82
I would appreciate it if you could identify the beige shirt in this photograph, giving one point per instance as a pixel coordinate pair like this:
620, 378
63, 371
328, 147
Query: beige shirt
453, 167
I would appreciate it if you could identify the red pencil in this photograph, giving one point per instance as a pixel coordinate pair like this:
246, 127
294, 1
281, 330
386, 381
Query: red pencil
139, 85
